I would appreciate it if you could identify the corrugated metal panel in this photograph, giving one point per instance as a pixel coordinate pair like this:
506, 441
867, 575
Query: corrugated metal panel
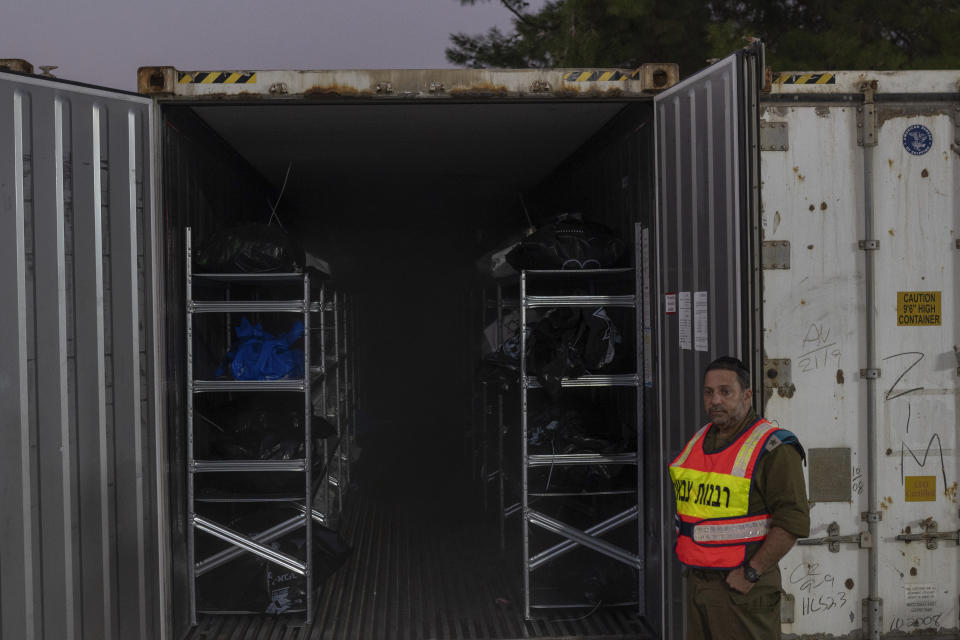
705, 258
78, 545
815, 314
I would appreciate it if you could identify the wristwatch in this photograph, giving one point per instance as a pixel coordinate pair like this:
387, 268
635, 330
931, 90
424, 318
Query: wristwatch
750, 573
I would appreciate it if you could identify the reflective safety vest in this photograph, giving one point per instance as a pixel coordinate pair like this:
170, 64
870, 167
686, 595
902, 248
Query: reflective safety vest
713, 497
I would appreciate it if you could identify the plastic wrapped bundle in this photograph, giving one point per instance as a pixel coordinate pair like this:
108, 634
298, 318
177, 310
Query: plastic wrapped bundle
252, 248
568, 242
259, 355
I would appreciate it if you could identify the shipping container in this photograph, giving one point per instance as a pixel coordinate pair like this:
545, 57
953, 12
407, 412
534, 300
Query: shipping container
805, 222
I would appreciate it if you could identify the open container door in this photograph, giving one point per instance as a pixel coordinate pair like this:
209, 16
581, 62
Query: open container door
707, 261
82, 537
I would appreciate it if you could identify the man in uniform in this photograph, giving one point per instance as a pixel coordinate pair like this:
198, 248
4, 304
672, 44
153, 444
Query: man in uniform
741, 505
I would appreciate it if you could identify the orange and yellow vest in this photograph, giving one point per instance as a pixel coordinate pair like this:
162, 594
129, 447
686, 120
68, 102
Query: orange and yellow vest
713, 497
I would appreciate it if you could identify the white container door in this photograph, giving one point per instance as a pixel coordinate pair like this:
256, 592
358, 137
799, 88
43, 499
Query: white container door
820, 182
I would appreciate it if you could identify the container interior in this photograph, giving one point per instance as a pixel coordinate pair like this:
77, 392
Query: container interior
402, 198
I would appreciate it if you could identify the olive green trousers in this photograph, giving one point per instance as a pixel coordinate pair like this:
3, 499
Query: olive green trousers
717, 612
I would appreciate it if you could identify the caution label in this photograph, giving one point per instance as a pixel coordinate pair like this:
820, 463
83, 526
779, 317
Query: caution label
217, 77
920, 489
599, 76
918, 308
806, 78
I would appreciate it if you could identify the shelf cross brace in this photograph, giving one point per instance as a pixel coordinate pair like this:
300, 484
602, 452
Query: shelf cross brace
269, 535
581, 537
249, 544
596, 530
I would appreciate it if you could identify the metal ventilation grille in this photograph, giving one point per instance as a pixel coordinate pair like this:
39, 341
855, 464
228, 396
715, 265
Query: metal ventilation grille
417, 575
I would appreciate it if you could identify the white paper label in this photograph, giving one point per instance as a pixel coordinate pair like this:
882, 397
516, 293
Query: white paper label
686, 341
921, 599
670, 303
701, 316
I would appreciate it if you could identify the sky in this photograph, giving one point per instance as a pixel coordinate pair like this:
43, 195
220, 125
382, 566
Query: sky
103, 42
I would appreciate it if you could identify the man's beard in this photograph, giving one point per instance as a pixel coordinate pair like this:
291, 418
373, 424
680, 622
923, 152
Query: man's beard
724, 418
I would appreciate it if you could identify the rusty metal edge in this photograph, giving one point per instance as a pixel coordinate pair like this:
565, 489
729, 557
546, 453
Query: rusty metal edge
420, 84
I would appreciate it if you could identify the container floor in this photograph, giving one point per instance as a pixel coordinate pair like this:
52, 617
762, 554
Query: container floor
425, 566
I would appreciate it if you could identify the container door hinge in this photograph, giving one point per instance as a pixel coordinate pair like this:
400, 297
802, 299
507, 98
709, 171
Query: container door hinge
930, 534
870, 374
956, 353
155, 80
873, 616
867, 116
869, 245
775, 254
773, 136
657, 76
833, 539
777, 375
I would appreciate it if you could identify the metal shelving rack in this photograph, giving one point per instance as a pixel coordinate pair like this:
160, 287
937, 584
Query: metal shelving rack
574, 537
256, 544
353, 388
347, 386
503, 304
491, 467
348, 413
337, 398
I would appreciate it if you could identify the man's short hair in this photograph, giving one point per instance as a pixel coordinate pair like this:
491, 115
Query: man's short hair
729, 363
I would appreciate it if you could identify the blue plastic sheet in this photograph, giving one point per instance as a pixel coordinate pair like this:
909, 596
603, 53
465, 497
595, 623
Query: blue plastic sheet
259, 355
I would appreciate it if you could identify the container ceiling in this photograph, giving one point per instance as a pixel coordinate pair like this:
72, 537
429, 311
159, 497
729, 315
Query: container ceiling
491, 150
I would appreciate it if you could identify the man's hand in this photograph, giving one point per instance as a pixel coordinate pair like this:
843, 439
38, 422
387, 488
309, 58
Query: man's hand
774, 547
738, 581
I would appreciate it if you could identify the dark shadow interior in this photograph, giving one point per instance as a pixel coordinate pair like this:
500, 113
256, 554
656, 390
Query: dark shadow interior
402, 199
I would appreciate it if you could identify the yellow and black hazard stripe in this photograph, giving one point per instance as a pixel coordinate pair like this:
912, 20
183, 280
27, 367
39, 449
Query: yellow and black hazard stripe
806, 78
596, 76
217, 77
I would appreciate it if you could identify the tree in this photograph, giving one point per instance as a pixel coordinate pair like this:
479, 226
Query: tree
849, 34
590, 33
799, 34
